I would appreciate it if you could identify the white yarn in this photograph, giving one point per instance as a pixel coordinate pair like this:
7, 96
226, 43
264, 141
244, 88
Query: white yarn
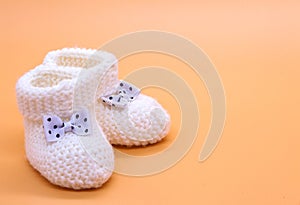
77, 162
144, 122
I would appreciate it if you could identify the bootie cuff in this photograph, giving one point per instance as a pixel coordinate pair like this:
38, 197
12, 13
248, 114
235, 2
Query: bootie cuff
46, 90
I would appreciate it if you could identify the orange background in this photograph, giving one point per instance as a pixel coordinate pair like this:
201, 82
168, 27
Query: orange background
255, 47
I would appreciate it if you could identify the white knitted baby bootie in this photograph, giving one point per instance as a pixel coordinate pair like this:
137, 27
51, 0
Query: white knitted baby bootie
61, 142
126, 116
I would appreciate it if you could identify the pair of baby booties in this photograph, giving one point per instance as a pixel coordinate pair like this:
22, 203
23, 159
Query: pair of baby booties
45, 97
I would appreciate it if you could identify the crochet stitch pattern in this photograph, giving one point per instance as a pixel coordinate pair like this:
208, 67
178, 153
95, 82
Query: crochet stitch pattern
143, 122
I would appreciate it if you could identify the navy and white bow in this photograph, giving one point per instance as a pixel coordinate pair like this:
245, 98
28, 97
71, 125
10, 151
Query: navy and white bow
55, 128
124, 94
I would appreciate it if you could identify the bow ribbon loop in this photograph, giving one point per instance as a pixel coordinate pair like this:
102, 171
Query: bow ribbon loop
124, 94
55, 128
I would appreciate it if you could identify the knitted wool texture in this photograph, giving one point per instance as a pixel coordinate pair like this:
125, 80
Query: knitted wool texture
142, 122
77, 162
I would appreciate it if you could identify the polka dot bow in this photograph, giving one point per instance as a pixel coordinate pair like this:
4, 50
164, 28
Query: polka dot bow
124, 94
55, 128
